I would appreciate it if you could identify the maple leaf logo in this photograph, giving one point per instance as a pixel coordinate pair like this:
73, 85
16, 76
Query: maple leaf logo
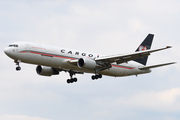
142, 48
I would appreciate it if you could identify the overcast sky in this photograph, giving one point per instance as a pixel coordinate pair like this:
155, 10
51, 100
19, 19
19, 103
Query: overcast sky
98, 26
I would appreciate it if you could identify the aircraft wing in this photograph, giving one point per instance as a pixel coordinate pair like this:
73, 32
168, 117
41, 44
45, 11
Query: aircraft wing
121, 58
154, 66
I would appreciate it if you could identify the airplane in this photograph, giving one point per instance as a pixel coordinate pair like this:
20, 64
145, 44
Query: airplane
52, 60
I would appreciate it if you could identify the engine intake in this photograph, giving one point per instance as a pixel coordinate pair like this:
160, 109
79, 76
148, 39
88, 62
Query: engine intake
86, 63
46, 71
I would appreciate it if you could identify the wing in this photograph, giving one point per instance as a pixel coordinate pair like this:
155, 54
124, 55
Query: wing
121, 58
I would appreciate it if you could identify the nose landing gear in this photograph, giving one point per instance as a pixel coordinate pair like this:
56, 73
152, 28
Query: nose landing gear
18, 68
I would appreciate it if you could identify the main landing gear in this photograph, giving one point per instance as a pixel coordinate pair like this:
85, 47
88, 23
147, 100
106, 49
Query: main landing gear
71, 80
97, 76
18, 68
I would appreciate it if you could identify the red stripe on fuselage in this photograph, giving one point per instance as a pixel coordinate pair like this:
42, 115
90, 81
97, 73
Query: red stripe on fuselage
48, 55
23, 52
122, 67
35, 52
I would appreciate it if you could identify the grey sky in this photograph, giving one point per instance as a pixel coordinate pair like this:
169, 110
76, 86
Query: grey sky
101, 26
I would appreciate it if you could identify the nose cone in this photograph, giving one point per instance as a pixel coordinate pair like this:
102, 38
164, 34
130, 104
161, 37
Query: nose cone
7, 51
10, 52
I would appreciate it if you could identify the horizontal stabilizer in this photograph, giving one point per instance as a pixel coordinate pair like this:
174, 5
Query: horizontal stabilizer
154, 66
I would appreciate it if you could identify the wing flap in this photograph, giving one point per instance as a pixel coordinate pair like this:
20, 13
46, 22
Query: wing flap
154, 66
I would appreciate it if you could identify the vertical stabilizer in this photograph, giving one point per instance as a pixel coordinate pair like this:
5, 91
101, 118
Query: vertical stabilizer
145, 45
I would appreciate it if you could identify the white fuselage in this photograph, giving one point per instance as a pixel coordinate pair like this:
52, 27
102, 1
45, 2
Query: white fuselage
57, 57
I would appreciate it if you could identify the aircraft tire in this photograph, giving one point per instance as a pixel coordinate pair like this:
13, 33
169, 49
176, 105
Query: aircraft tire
18, 68
75, 79
93, 77
71, 80
99, 76
68, 81
96, 76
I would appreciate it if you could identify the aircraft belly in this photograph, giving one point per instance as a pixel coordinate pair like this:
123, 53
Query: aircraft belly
29, 58
111, 72
118, 72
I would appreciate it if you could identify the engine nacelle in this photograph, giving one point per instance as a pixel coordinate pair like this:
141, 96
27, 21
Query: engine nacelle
46, 71
86, 63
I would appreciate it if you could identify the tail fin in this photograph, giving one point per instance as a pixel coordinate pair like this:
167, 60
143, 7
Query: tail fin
145, 45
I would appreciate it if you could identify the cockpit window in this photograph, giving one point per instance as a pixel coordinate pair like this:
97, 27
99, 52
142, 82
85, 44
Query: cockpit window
14, 45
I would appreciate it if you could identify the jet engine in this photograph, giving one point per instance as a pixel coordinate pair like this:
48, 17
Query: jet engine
86, 63
46, 71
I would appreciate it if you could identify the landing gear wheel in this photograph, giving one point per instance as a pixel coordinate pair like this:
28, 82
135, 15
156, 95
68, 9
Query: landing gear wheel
71, 80
68, 81
93, 77
99, 76
18, 68
96, 76
75, 79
